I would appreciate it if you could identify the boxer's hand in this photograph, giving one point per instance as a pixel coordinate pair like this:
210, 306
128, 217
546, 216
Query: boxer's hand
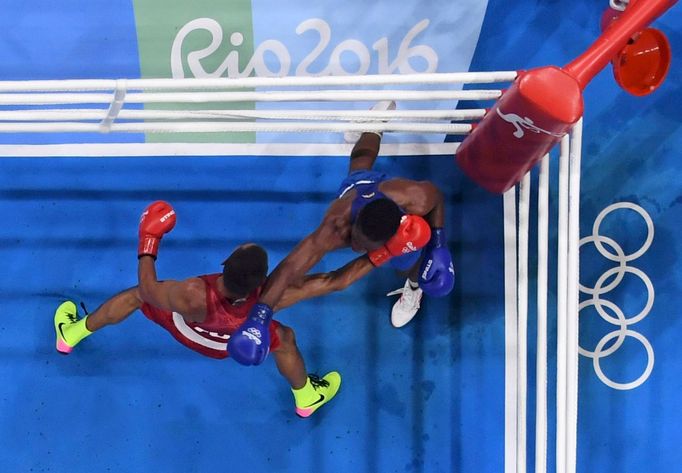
437, 273
250, 343
413, 233
156, 220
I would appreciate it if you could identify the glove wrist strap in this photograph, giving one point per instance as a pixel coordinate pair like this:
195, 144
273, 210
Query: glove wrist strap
261, 313
379, 256
438, 238
148, 246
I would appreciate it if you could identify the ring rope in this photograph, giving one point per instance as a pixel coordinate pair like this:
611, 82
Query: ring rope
216, 127
284, 96
253, 82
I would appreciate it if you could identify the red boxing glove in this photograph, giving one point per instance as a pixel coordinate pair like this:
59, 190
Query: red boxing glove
156, 220
412, 235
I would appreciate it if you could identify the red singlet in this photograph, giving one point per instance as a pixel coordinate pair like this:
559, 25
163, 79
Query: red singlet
222, 319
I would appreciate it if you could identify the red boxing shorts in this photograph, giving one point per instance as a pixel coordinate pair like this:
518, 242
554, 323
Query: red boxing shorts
194, 337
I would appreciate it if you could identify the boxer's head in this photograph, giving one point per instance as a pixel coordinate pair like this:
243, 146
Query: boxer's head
375, 224
244, 270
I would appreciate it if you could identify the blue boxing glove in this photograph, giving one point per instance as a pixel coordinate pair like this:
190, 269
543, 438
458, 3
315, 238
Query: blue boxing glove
436, 273
250, 343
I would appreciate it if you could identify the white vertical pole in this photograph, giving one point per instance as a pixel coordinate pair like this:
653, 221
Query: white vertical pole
522, 330
510, 332
562, 284
541, 362
572, 299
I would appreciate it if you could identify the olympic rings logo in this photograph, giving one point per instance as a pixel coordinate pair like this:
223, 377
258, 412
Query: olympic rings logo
601, 287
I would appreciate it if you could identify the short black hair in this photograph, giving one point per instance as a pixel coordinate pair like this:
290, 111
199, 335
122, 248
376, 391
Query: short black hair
379, 220
245, 269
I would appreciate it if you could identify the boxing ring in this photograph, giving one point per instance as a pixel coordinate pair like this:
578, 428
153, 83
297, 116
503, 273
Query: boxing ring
57, 107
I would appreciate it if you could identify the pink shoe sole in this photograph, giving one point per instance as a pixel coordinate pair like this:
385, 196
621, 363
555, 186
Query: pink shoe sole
65, 349
304, 412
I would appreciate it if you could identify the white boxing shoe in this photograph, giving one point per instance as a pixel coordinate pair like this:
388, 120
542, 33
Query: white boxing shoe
352, 137
407, 306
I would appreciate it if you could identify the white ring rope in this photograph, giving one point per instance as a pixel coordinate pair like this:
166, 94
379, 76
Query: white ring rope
562, 306
280, 96
516, 303
572, 328
522, 320
219, 127
81, 114
241, 105
253, 82
511, 306
542, 278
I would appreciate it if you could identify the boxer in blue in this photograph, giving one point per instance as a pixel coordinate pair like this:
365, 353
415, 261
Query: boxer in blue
396, 220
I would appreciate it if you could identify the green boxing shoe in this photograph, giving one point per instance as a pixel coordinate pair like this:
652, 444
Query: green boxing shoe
316, 393
70, 330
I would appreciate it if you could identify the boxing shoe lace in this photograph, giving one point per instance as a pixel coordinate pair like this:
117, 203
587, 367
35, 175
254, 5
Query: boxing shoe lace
73, 317
318, 382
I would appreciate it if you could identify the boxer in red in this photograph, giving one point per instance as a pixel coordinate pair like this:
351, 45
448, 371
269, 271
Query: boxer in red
203, 312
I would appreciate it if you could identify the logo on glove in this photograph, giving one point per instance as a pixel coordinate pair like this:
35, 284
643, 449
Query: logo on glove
428, 266
409, 247
167, 216
253, 334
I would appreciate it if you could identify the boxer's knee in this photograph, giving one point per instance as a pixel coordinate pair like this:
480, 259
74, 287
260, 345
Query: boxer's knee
287, 338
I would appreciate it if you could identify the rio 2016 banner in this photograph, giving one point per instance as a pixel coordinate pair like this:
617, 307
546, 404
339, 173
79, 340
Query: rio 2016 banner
207, 38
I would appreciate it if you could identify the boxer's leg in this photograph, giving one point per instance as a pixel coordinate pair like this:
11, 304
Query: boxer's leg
70, 329
114, 310
364, 152
310, 391
288, 359
366, 148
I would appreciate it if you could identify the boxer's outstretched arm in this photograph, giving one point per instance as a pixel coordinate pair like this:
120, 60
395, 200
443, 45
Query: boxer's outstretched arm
295, 266
249, 344
183, 297
320, 284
